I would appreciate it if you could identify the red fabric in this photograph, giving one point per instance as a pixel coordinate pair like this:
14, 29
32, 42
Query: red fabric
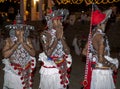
87, 83
88, 76
115, 76
97, 17
57, 18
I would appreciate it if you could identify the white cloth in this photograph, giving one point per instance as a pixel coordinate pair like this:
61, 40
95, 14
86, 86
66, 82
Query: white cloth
11, 78
113, 60
12, 81
102, 79
50, 81
50, 77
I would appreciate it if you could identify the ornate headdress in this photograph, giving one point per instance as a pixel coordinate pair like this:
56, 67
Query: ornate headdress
99, 17
19, 24
56, 14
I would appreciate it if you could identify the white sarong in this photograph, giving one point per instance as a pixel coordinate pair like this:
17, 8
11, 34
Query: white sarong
11, 78
50, 82
102, 79
50, 77
12, 81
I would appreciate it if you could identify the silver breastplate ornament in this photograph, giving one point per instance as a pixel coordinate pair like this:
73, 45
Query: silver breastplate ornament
20, 56
58, 51
93, 54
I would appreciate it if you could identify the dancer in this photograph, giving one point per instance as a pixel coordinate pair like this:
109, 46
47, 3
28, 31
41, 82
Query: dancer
19, 57
56, 56
99, 64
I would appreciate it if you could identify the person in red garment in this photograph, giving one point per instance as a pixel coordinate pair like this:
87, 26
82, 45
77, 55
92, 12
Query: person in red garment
99, 64
19, 57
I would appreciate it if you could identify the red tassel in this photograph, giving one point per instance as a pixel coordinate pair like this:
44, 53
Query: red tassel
19, 73
68, 76
23, 82
58, 65
68, 69
66, 56
61, 82
31, 80
31, 75
61, 77
60, 72
11, 64
15, 68
21, 78
69, 62
66, 81
32, 60
33, 69
31, 85
32, 64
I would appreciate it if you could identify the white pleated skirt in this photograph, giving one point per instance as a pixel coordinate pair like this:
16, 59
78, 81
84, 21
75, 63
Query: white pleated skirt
50, 82
102, 79
12, 81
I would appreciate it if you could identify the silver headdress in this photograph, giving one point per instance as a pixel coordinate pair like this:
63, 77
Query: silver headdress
58, 13
19, 24
63, 13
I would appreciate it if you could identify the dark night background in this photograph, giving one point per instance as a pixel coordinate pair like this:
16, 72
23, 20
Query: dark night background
15, 4
5, 6
83, 6
72, 7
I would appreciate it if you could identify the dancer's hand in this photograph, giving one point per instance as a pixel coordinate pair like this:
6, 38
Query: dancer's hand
59, 33
59, 29
113, 67
21, 37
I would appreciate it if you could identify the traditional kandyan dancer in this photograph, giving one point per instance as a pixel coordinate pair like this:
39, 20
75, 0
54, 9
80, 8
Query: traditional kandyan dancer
19, 57
56, 56
99, 64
